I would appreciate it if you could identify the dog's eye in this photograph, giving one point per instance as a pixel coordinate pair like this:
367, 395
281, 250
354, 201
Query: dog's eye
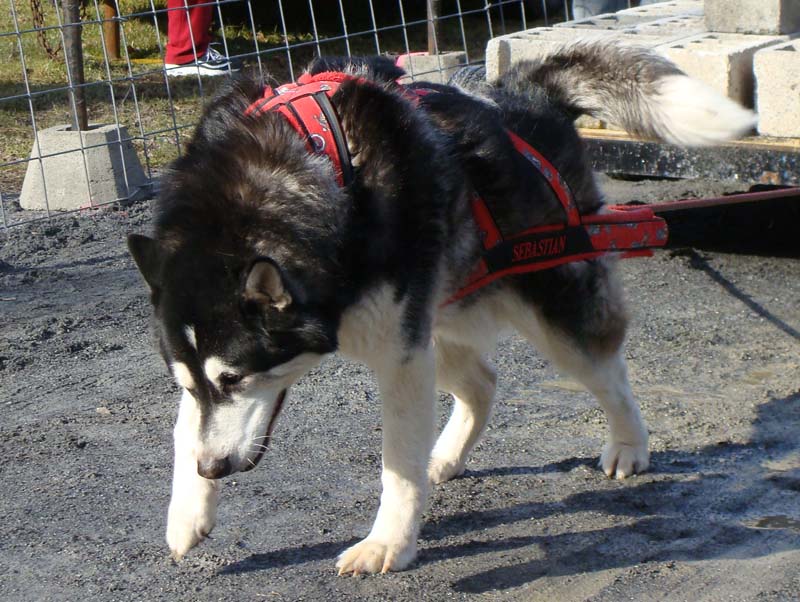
229, 379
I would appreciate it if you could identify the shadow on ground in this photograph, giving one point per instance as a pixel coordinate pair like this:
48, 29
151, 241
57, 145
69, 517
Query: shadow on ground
694, 507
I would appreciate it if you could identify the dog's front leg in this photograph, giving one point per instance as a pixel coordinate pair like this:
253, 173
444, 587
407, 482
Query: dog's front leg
408, 391
193, 507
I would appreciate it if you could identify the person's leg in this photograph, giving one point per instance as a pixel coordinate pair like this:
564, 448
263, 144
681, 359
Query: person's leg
187, 30
583, 9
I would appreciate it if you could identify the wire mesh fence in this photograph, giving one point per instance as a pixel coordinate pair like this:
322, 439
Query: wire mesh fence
96, 96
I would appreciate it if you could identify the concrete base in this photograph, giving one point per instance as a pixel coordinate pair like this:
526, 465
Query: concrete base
753, 16
777, 71
58, 181
434, 68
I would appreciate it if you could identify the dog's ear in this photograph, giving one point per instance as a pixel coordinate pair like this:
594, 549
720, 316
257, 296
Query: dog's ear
266, 285
147, 254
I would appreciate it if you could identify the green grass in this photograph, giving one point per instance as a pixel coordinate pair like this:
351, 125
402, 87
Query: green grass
147, 105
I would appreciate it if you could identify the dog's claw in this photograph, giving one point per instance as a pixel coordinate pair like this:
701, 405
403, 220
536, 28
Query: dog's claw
441, 470
372, 557
620, 460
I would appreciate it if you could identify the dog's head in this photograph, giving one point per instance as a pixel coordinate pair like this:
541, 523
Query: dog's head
235, 333
244, 275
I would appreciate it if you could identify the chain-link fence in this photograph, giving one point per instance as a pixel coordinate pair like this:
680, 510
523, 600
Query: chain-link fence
96, 96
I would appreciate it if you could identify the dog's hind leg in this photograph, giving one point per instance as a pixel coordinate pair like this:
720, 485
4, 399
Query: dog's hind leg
193, 507
462, 371
593, 354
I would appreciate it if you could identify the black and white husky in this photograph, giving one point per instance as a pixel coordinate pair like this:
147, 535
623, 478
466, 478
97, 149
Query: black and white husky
261, 265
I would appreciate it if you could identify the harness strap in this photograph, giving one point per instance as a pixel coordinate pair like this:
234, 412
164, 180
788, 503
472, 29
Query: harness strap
307, 107
551, 174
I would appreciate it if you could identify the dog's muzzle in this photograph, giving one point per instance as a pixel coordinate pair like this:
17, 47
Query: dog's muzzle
253, 462
217, 468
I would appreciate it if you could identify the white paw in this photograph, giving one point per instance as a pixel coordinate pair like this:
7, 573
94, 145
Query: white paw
372, 556
621, 460
441, 470
188, 523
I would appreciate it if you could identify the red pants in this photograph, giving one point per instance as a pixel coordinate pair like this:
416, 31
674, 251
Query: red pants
180, 37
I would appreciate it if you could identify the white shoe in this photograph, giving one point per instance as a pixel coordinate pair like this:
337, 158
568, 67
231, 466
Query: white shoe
211, 64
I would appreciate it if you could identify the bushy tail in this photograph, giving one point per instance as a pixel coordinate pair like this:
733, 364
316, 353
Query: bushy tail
635, 89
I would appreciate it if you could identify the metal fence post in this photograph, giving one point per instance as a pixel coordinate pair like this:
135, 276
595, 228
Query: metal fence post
111, 28
73, 53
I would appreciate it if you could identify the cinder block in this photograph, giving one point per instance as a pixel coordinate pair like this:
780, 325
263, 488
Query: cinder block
753, 16
722, 60
533, 44
679, 27
108, 158
638, 16
667, 9
434, 68
777, 71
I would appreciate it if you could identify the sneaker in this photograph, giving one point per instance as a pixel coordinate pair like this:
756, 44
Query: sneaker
212, 63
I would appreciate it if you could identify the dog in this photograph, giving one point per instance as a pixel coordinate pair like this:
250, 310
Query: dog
263, 262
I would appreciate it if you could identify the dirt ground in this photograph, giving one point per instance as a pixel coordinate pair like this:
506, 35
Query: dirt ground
85, 449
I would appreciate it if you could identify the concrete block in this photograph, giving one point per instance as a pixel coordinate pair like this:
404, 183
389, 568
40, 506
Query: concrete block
661, 10
638, 16
537, 43
675, 27
777, 71
434, 68
533, 44
722, 60
607, 21
114, 171
753, 16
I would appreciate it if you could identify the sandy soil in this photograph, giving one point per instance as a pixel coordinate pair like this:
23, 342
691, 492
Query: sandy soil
87, 410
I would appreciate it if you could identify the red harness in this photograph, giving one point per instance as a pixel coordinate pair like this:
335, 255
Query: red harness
628, 231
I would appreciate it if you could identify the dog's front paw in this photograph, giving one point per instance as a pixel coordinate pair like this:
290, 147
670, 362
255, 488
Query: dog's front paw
188, 524
372, 556
441, 470
621, 460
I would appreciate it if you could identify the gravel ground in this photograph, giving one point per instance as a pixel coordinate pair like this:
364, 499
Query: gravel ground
87, 411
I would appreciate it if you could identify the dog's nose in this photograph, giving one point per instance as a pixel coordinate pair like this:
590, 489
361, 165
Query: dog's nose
214, 468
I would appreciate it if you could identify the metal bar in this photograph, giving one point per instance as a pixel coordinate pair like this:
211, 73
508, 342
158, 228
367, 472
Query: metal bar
463, 32
344, 28
762, 222
434, 30
167, 87
139, 123
732, 199
314, 27
75, 80
255, 39
32, 112
286, 41
374, 28
107, 61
